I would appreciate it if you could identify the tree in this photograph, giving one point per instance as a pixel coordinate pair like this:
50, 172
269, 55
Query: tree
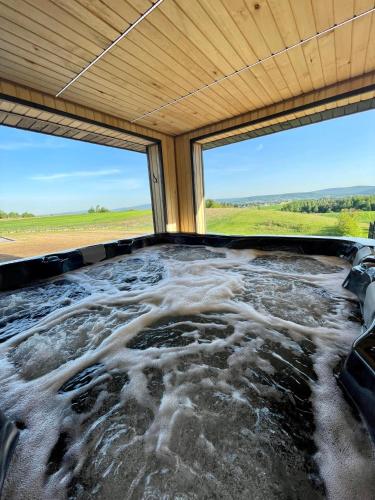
216, 204
13, 215
347, 225
97, 210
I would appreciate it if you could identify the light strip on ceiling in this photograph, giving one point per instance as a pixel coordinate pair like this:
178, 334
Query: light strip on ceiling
250, 66
118, 39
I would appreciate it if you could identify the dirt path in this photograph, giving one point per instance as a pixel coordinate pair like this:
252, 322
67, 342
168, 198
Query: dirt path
32, 244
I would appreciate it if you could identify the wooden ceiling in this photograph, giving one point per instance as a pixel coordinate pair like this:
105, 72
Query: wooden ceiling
162, 74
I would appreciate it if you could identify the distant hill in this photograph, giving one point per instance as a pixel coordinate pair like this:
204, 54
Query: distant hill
123, 209
147, 206
308, 195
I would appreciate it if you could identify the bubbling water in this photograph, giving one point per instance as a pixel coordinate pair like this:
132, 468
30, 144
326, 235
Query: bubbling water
184, 372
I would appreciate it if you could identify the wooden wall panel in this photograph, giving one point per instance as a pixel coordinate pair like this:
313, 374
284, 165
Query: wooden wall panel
198, 183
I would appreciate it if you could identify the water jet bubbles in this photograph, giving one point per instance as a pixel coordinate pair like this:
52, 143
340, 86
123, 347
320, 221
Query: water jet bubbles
68, 339
289, 298
21, 309
123, 274
185, 253
297, 264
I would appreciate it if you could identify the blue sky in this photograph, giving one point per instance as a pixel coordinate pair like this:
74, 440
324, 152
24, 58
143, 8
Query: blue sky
44, 174
334, 153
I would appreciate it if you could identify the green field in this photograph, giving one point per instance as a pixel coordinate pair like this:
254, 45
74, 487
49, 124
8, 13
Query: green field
127, 221
271, 220
264, 220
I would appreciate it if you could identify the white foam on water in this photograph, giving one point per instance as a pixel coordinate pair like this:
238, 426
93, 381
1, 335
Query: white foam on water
204, 363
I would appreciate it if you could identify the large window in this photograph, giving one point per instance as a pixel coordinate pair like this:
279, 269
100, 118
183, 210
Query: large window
313, 180
57, 194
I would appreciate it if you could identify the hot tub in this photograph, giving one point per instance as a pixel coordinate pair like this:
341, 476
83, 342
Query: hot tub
182, 366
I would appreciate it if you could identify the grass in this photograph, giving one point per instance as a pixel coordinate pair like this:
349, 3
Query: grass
256, 220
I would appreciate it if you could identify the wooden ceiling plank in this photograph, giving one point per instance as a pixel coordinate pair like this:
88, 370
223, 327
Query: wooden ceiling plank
19, 109
46, 14
289, 33
323, 14
49, 34
15, 72
180, 20
370, 55
265, 20
6, 106
258, 79
12, 120
88, 19
38, 42
360, 42
110, 14
326, 44
361, 6
205, 24
160, 30
312, 55
343, 46
343, 10
304, 16
249, 29
224, 20
3, 116
197, 60
41, 65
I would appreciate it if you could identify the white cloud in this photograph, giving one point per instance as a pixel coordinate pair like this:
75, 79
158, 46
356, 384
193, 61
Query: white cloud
259, 147
77, 174
16, 146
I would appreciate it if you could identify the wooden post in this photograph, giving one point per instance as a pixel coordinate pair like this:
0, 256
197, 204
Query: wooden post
189, 166
184, 169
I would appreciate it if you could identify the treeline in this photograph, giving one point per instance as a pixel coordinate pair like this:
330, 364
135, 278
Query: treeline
15, 215
97, 210
219, 204
325, 205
